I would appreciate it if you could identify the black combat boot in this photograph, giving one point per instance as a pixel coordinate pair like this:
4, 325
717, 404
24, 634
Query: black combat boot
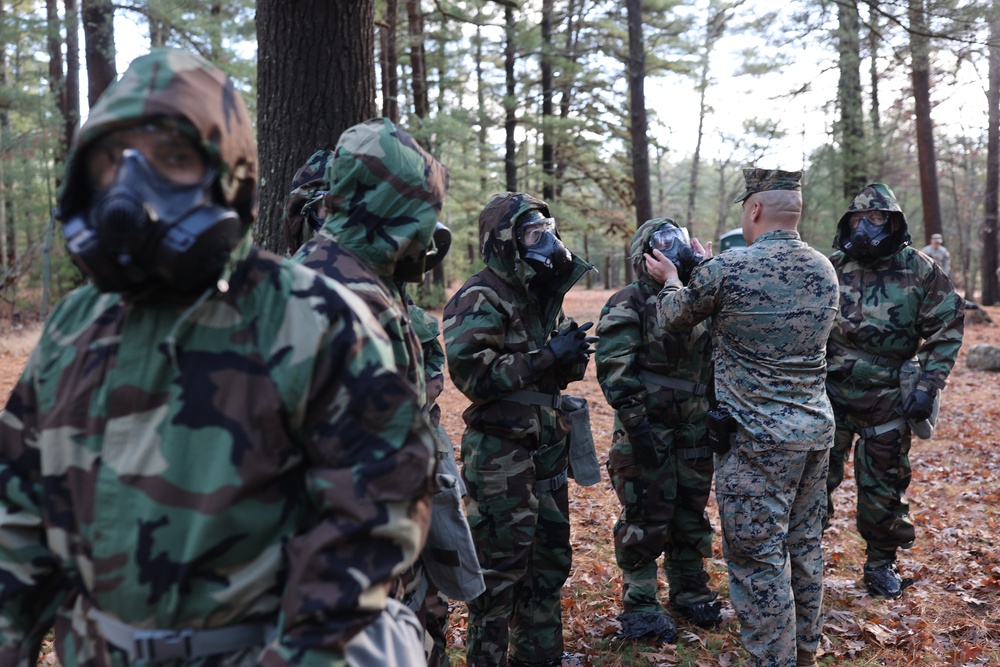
883, 581
705, 614
641, 625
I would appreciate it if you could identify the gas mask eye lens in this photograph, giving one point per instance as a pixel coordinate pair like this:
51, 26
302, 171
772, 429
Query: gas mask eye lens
170, 153
875, 218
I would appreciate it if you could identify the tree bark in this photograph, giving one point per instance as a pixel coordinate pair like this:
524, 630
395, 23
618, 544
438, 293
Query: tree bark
57, 82
991, 294
637, 115
850, 127
72, 112
390, 62
99, 36
920, 75
298, 112
873, 111
548, 131
510, 102
418, 65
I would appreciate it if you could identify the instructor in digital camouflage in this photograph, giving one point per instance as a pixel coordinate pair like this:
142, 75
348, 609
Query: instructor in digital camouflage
504, 355
772, 306
209, 459
895, 341
659, 464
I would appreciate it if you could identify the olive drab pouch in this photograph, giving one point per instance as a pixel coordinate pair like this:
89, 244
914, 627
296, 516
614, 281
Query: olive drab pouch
583, 465
909, 375
449, 557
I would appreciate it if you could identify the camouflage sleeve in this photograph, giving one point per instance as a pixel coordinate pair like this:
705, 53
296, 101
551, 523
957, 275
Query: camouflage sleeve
481, 367
571, 372
680, 308
619, 341
941, 323
370, 452
426, 327
31, 584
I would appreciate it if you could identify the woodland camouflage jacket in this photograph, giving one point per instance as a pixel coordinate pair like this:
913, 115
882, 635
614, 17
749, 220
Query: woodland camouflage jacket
496, 332
250, 457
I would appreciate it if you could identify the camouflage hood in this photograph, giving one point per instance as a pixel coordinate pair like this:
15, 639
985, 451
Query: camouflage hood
307, 180
638, 246
496, 234
385, 197
874, 197
176, 89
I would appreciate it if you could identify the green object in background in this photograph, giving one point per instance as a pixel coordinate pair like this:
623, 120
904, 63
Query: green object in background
732, 239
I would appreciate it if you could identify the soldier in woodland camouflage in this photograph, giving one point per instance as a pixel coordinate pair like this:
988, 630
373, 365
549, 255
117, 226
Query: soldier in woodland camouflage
209, 459
305, 209
504, 355
895, 303
772, 306
659, 463
383, 196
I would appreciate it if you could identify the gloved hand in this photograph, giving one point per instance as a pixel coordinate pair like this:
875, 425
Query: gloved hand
918, 405
645, 444
572, 345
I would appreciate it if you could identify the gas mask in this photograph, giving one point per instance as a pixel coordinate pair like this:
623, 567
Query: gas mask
413, 270
314, 211
871, 238
673, 243
540, 247
144, 231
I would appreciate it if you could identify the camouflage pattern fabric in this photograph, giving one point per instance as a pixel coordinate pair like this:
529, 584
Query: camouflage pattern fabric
309, 179
496, 330
385, 194
772, 307
663, 508
902, 306
940, 255
762, 180
252, 457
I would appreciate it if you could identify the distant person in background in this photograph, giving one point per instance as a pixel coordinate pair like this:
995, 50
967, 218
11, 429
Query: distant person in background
938, 253
305, 209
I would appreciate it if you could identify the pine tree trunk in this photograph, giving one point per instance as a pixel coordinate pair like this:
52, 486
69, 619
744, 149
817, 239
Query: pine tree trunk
99, 35
307, 95
638, 122
390, 62
991, 294
72, 112
510, 103
850, 127
548, 131
920, 47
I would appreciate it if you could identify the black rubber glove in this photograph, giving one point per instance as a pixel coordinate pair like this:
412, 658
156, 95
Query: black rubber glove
918, 405
572, 345
644, 444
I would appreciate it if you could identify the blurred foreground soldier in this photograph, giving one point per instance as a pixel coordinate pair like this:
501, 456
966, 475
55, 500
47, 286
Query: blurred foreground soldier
209, 459
895, 341
382, 194
506, 357
772, 307
660, 465
938, 253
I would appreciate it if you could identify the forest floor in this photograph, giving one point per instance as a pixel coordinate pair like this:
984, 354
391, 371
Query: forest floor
949, 617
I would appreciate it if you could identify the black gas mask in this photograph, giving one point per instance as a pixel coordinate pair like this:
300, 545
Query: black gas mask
314, 211
540, 247
672, 242
869, 236
145, 232
412, 270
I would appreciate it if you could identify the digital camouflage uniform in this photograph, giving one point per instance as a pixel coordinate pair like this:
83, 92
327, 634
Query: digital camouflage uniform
495, 334
248, 458
772, 305
663, 508
385, 195
891, 310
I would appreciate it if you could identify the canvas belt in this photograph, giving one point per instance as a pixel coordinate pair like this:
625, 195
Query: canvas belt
151, 646
535, 398
874, 359
552, 484
872, 431
673, 383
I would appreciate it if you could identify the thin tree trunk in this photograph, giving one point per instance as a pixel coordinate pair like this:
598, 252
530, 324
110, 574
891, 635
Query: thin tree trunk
851, 129
510, 102
390, 62
483, 149
920, 49
874, 38
548, 131
4, 126
991, 294
72, 113
637, 114
99, 34
418, 67
57, 82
